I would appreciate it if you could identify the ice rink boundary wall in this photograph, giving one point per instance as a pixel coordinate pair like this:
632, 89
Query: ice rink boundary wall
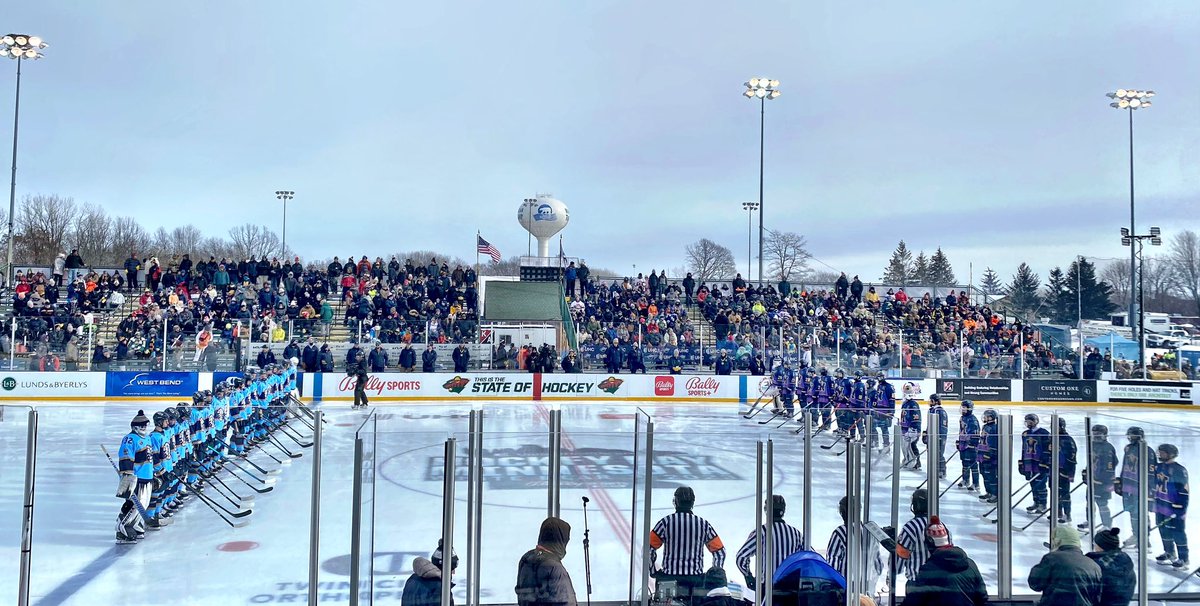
485, 386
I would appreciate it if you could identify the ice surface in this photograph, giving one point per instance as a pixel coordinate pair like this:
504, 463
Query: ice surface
711, 449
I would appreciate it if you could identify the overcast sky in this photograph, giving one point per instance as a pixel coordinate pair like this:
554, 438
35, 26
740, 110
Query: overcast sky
979, 127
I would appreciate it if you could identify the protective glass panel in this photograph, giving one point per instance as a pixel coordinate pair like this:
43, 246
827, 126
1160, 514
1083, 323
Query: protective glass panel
14, 426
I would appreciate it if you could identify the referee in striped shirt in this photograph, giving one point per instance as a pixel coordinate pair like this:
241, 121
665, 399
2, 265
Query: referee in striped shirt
838, 550
910, 546
787, 541
684, 536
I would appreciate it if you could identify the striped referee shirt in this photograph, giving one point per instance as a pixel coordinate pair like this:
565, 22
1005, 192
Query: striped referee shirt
684, 536
912, 539
787, 540
837, 552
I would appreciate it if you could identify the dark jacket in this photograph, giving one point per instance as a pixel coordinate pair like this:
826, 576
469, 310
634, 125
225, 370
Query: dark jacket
948, 578
424, 587
1066, 577
428, 359
541, 578
461, 358
408, 358
1117, 578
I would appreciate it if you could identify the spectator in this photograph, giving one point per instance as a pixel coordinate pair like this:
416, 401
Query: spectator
379, 358
570, 276
60, 266
100, 357
326, 359
424, 587
949, 577
408, 357
1065, 576
724, 365
265, 357
542, 580
292, 350
428, 359
571, 364
132, 265
461, 358
842, 286
1117, 578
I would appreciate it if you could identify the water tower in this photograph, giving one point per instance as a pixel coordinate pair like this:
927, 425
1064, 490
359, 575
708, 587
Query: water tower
543, 217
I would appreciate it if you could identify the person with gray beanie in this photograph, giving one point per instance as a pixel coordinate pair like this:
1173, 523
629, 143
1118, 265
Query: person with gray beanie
1065, 576
1117, 577
424, 587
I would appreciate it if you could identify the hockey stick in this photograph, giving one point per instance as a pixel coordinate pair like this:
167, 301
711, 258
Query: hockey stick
302, 406
1133, 539
904, 465
1039, 516
1014, 495
136, 503
754, 409
269, 483
287, 431
302, 419
216, 507
951, 485
271, 472
1191, 574
290, 454
774, 413
834, 442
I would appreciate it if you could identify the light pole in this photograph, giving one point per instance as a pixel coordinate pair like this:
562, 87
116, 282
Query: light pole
19, 47
761, 89
285, 196
1128, 238
1130, 100
750, 207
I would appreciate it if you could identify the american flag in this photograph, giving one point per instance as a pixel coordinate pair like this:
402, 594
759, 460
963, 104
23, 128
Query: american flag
485, 247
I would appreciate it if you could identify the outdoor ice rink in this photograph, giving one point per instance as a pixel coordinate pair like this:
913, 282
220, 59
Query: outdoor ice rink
200, 560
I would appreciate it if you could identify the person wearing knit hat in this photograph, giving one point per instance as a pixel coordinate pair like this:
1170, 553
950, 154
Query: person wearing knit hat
136, 472
948, 577
1065, 575
1117, 578
424, 587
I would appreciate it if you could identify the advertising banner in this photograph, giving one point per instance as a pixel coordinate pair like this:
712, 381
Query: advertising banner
988, 390
153, 383
59, 385
1059, 390
556, 386
1162, 392
950, 389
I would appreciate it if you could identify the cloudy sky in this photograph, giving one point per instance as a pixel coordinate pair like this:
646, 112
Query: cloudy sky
979, 127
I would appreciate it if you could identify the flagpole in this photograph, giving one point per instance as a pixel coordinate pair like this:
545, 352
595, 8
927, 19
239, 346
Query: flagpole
478, 281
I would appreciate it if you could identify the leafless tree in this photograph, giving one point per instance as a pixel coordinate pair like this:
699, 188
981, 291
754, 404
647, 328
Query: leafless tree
1116, 273
128, 238
91, 235
708, 261
43, 223
250, 240
787, 255
177, 242
1185, 256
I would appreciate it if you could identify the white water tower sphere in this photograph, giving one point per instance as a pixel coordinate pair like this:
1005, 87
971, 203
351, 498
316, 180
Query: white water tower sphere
543, 217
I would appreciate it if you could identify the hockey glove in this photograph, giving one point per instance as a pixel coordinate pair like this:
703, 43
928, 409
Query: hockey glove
126, 485
1117, 485
1084, 474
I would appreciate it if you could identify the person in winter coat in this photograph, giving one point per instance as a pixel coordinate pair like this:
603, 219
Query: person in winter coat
379, 358
724, 364
424, 587
613, 357
948, 577
1065, 576
461, 357
408, 358
326, 359
428, 359
542, 580
1117, 578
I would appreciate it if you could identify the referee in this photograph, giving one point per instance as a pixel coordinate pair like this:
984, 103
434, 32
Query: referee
911, 547
787, 541
683, 536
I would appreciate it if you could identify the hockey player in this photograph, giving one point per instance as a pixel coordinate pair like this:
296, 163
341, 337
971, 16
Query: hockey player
136, 468
1128, 482
1067, 461
968, 446
787, 389
843, 397
1100, 472
884, 409
1035, 461
935, 407
161, 460
813, 395
910, 427
778, 378
825, 398
1170, 507
852, 415
989, 462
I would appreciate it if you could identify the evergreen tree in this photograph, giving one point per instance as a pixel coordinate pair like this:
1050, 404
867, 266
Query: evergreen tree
1022, 291
1096, 295
990, 284
899, 268
940, 272
920, 270
1059, 302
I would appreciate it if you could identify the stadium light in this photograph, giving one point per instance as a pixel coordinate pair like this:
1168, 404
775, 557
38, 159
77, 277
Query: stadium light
1130, 99
285, 196
749, 207
761, 89
19, 47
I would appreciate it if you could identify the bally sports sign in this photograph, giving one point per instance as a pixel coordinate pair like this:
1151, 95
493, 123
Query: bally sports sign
522, 386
